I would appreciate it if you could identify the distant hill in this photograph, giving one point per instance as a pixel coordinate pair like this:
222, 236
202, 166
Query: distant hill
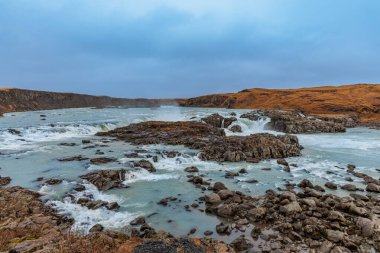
362, 100
12, 100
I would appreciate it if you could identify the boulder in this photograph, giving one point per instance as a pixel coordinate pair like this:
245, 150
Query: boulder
371, 187
102, 160
212, 199
331, 185
5, 181
106, 179
145, 164
192, 169
236, 129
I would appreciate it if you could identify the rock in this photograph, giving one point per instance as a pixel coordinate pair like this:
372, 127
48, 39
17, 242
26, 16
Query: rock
349, 187
294, 123
211, 141
226, 210
282, 162
241, 244
96, 228
236, 129
230, 174
217, 120
292, 207
334, 235
113, 206
219, 186
5, 181
252, 181
102, 160
79, 188
251, 116
223, 229
371, 187
106, 179
86, 141
53, 181
14, 131
71, 144
208, 233
138, 221
335, 216
331, 185
243, 171
192, 231
257, 214
145, 164
325, 247
74, 158
212, 198
305, 183
351, 167
225, 194
366, 226
192, 169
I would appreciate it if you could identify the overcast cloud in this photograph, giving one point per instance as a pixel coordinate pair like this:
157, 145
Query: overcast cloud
174, 48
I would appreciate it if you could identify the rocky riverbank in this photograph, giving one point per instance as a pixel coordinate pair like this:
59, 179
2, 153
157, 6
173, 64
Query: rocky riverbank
27, 225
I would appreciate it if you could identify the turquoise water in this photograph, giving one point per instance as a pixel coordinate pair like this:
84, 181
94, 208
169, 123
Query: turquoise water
35, 151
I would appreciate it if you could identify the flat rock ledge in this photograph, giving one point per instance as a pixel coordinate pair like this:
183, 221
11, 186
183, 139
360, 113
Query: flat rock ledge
210, 140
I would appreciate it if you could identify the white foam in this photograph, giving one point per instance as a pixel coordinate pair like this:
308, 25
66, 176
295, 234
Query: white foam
144, 175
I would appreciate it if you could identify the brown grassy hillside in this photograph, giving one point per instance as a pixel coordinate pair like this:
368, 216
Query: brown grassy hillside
362, 100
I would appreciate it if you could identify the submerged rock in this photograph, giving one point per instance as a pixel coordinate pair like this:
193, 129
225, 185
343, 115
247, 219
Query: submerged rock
102, 160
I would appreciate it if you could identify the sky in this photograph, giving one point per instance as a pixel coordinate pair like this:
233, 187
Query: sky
174, 48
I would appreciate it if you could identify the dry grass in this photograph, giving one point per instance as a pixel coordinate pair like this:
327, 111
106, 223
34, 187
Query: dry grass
16, 235
95, 243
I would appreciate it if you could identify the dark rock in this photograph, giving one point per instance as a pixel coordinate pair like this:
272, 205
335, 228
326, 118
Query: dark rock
74, 158
331, 185
14, 131
252, 181
241, 244
5, 181
208, 233
145, 164
250, 115
236, 129
96, 228
217, 120
349, 187
192, 169
102, 160
305, 183
219, 186
53, 181
282, 162
138, 221
68, 144
243, 171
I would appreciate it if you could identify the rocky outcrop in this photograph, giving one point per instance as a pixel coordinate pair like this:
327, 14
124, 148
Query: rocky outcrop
106, 179
212, 142
217, 120
296, 123
29, 100
360, 100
